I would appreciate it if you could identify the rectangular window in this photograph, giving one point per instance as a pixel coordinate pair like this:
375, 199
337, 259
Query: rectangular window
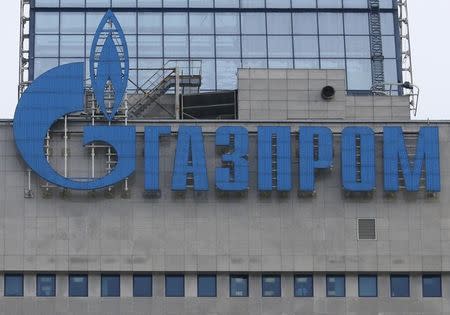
206, 286
431, 286
227, 23
253, 23
303, 286
238, 286
399, 285
45, 285
335, 286
175, 23
78, 285
305, 23
280, 46
271, 286
367, 286
142, 285
174, 285
46, 23
279, 23
201, 23
110, 285
13, 285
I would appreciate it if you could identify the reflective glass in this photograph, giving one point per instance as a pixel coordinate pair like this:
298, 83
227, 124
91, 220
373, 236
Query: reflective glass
304, 3
278, 3
329, 3
390, 71
93, 19
142, 285
357, 46
331, 23
201, 23
332, 63
303, 286
280, 46
41, 65
174, 285
13, 285
227, 3
356, 23
227, 23
149, 3
305, 23
431, 286
359, 74
355, 4
238, 286
399, 285
201, 3
46, 3
46, 46
332, 46
253, 23
281, 64
149, 23
72, 46
206, 286
150, 46
387, 23
271, 285
176, 46
175, 23
175, 3
306, 46
151, 67
72, 23
208, 74
389, 50
306, 63
202, 46
227, 73
124, 3
335, 286
367, 286
46, 23
279, 23
78, 285
110, 286
254, 46
228, 46
252, 3
386, 4
128, 21
45, 285
254, 63
97, 3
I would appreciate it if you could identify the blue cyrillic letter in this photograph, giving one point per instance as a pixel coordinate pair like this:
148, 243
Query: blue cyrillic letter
151, 155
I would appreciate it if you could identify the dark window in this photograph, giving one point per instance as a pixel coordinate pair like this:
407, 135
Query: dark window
367, 286
45, 285
142, 285
78, 285
110, 285
271, 285
238, 286
13, 285
303, 286
431, 286
207, 286
335, 286
400, 285
174, 285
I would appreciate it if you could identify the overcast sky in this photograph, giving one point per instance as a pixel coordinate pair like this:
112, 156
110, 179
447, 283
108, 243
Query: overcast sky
428, 22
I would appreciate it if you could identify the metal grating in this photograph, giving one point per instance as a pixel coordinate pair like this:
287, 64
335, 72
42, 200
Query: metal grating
366, 229
376, 45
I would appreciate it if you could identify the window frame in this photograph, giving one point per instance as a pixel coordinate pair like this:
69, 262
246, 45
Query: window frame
173, 276
142, 275
279, 292
335, 276
4, 284
432, 275
393, 276
376, 285
215, 285
87, 284
101, 285
53, 276
247, 278
312, 284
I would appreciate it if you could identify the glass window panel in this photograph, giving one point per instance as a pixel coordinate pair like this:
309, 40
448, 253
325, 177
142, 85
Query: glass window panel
279, 23
278, 3
72, 46
254, 46
253, 23
387, 23
78, 285
208, 75
252, 4
356, 23
46, 46
227, 23
386, 4
201, 23
227, 73
88, 40
227, 3
128, 21
175, 23
332, 46
47, 23
63, 61
335, 286
431, 286
201, 3
46, 3
400, 286
271, 285
306, 63
110, 286
42, 65
306, 46
206, 286
389, 50
13, 285
202, 46
331, 23
254, 63
45, 285
149, 23
390, 71
359, 74
303, 286
151, 67
124, 3
175, 3
133, 74
175, 46
72, 23
280, 46
238, 286
93, 20
355, 4
97, 3
228, 46
174, 285
132, 46
332, 63
150, 46
367, 286
281, 64
142, 285
329, 3
357, 46
304, 3
305, 23
149, 3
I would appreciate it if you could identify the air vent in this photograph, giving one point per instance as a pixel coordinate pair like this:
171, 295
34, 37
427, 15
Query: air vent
366, 229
